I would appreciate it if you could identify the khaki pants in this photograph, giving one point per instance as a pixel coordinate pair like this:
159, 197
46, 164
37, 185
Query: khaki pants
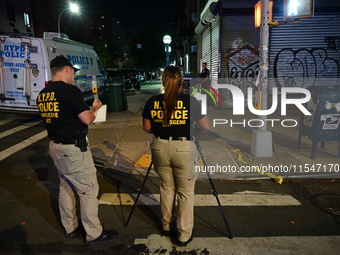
77, 175
174, 162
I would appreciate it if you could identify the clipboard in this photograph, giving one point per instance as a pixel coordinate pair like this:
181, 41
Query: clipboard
101, 114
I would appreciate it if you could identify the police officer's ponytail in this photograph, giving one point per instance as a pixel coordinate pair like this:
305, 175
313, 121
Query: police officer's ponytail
172, 79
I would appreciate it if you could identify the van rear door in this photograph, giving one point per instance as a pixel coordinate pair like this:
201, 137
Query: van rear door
23, 73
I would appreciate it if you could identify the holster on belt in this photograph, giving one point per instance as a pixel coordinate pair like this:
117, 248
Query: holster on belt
80, 139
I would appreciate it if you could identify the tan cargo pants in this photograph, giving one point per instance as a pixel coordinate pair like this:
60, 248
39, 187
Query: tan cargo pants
77, 175
174, 162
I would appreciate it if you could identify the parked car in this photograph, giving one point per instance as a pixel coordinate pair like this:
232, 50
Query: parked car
127, 76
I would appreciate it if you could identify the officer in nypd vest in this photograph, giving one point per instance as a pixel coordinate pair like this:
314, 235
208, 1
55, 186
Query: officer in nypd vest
66, 117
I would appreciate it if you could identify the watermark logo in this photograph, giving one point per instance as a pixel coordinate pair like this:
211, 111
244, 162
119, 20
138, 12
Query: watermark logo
239, 99
242, 100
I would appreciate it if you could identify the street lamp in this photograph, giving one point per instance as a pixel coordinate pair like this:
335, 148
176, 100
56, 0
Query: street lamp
167, 41
73, 8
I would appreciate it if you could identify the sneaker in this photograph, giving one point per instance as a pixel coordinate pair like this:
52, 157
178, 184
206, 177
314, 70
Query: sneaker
180, 243
166, 232
74, 233
106, 236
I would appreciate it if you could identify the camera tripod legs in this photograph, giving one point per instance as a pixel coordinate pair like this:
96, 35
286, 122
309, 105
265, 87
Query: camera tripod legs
212, 186
214, 190
139, 192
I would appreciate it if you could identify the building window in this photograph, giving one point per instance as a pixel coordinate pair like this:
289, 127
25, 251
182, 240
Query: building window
27, 19
10, 12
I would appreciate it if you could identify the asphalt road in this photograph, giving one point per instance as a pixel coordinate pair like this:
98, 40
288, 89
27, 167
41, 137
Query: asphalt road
260, 218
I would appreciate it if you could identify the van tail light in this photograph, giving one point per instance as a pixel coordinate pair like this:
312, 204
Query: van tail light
47, 82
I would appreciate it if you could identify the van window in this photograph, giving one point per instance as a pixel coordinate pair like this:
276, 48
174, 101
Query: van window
100, 67
27, 20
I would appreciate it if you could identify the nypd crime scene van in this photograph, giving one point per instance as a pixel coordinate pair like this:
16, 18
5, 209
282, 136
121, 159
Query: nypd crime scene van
25, 69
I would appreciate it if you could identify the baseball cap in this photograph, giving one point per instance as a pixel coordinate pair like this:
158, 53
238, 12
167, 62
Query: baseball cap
62, 61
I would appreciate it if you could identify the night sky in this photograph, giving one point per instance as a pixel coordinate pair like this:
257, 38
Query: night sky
135, 13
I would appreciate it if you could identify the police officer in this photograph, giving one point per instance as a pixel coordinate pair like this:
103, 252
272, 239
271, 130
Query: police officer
66, 117
170, 117
205, 73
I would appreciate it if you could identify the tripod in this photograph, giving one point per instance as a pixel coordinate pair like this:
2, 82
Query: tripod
211, 183
213, 186
139, 192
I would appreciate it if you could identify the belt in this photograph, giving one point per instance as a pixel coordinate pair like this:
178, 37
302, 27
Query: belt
181, 138
71, 142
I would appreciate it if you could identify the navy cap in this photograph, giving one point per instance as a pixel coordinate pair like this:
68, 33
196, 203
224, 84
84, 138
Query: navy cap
62, 61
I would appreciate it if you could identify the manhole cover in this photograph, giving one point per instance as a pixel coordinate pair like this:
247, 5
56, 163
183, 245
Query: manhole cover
329, 203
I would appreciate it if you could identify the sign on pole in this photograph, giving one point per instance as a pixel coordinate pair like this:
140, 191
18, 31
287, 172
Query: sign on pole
297, 9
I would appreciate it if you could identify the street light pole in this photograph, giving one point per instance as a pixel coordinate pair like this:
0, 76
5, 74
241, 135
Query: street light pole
167, 41
73, 8
261, 143
59, 21
167, 54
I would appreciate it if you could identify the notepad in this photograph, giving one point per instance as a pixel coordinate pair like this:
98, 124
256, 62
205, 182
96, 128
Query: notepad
101, 114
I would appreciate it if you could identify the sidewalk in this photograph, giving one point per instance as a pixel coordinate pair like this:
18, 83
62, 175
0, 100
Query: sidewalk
120, 143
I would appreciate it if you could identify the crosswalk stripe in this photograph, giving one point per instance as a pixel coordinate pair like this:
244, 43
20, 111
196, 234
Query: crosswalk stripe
19, 128
244, 245
236, 199
8, 152
8, 119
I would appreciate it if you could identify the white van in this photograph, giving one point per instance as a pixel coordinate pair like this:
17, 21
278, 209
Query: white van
25, 68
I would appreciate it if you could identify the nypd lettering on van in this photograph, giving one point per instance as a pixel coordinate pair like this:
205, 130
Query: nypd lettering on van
14, 51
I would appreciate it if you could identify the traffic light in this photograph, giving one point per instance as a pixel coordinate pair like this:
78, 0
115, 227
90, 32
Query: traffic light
258, 13
296, 9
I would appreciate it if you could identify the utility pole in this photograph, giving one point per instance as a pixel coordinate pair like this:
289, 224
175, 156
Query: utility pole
261, 141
